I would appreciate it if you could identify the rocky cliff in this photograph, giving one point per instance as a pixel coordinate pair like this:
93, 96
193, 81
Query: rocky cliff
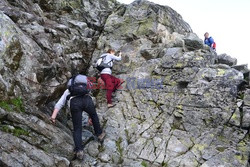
181, 104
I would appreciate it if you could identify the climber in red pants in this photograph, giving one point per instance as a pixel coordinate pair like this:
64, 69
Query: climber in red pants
111, 83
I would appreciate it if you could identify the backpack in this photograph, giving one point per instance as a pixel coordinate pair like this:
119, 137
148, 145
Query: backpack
77, 89
100, 65
214, 45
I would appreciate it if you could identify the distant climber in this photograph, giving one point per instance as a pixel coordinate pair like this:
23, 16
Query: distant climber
77, 95
111, 83
209, 41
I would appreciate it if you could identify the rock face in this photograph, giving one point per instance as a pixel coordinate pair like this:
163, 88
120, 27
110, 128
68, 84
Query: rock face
181, 105
225, 59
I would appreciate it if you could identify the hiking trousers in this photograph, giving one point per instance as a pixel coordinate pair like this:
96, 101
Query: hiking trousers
77, 106
111, 84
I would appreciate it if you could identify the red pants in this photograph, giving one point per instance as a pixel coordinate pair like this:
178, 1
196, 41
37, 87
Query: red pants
111, 84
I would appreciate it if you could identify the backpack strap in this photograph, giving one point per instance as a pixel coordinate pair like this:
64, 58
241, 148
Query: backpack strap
71, 87
73, 81
104, 57
110, 61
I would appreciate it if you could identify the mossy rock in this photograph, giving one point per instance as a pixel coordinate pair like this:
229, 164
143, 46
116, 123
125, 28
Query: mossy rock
15, 53
4, 105
145, 27
119, 150
13, 105
144, 164
16, 131
221, 72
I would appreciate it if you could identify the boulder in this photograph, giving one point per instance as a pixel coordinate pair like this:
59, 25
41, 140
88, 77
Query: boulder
193, 42
226, 59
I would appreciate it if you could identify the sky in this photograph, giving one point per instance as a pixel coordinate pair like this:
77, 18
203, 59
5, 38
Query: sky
227, 21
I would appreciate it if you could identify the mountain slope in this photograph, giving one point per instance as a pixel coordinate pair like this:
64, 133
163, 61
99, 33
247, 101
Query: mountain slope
181, 104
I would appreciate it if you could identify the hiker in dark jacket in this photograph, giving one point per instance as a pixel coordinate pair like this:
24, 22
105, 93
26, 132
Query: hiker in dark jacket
78, 103
209, 41
111, 83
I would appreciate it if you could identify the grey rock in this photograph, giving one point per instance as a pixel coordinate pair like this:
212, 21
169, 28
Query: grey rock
150, 53
104, 157
169, 52
236, 118
226, 59
243, 68
180, 110
246, 117
93, 149
226, 158
240, 103
193, 42
247, 97
12, 153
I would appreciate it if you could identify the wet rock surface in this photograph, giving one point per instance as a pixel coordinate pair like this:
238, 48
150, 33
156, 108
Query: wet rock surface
180, 105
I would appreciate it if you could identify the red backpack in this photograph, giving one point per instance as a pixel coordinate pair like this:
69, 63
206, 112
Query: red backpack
214, 45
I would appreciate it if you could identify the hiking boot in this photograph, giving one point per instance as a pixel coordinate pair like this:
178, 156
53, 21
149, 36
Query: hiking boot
101, 137
80, 155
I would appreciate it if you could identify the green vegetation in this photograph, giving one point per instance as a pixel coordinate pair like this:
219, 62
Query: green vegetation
144, 164
46, 148
241, 96
145, 27
241, 158
221, 149
101, 148
18, 104
16, 131
223, 138
164, 164
119, 149
15, 104
127, 136
179, 65
242, 146
4, 105
200, 147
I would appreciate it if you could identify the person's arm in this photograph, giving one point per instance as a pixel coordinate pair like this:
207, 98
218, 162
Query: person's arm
54, 114
59, 105
118, 58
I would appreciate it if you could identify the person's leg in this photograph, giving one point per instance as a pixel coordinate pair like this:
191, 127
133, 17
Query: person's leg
109, 96
89, 108
76, 108
117, 83
109, 86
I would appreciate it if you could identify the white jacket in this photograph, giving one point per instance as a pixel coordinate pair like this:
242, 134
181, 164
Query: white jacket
107, 59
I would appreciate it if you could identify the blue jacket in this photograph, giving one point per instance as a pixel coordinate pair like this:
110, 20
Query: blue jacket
209, 41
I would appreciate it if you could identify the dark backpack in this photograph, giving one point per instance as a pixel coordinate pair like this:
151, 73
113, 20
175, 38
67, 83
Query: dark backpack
100, 65
77, 89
